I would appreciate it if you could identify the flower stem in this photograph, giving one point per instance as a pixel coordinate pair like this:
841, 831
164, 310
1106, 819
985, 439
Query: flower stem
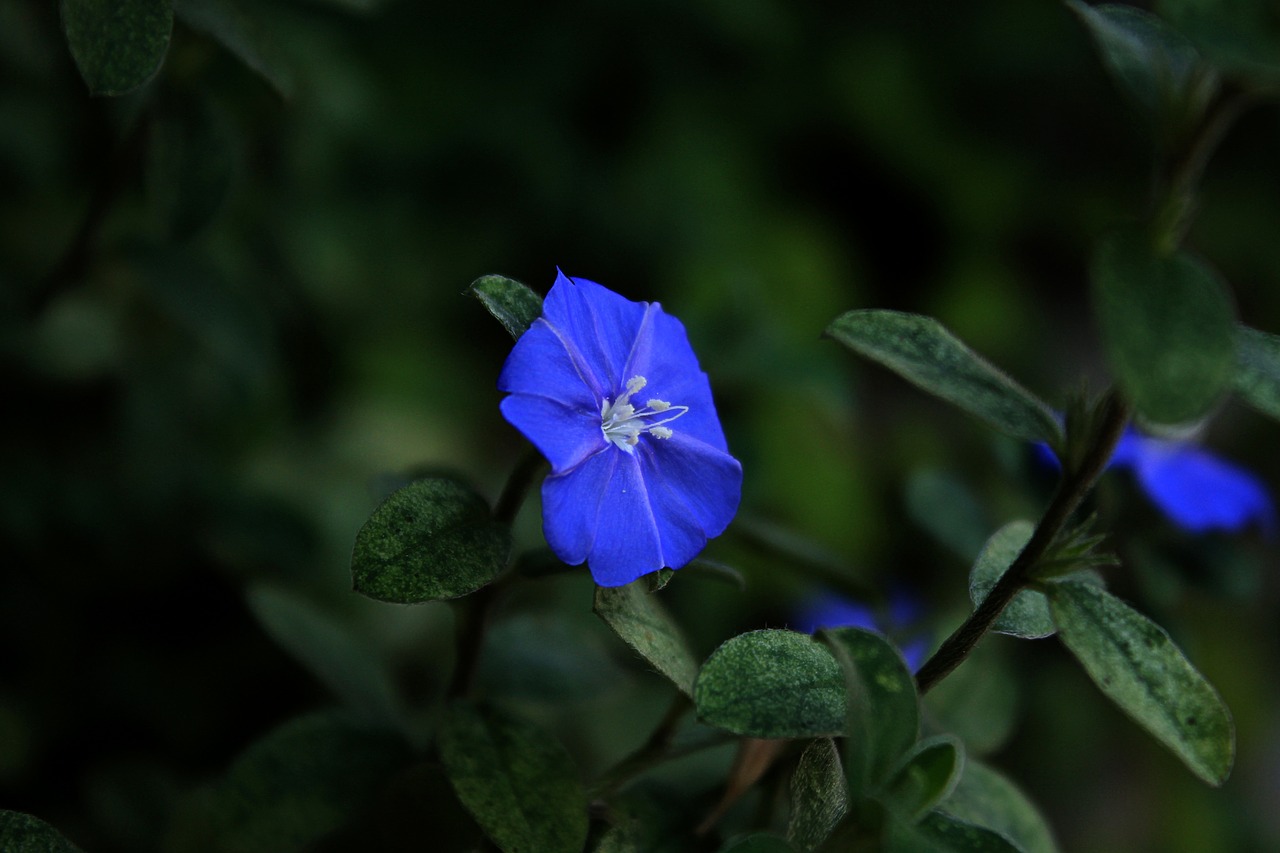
1071, 490
655, 750
517, 487
471, 614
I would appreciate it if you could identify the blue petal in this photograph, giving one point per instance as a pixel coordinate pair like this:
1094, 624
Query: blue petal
695, 486
599, 512
547, 363
1199, 491
565, 434
571, 503
601, 324
1128, 449
662, 354
830, 610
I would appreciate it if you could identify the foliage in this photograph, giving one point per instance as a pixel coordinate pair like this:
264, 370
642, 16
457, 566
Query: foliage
299, 560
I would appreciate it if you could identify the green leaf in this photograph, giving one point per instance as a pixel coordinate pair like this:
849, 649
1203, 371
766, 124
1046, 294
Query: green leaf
819, 796
926, 777
892, 712
758, 842
118, 45
940, 833
334, 654
987, 798
1027, 615
433, 539
240, 32
643, 623
1257, 377
513, 304
301, 781
771, 684
23, 833
923, 352
1242, 36
1155, 64
1137, 666
516, 780
1167, 323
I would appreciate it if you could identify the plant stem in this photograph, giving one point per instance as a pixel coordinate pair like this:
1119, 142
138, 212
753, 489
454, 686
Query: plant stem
517, 487
655, 750
471, 614
1071, 490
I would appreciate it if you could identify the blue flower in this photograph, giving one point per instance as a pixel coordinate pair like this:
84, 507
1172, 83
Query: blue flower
609, 390
1195, 489
899, 618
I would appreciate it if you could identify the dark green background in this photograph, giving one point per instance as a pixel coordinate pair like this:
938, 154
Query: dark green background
232, 321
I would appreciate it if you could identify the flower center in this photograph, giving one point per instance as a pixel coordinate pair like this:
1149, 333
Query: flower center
621, 422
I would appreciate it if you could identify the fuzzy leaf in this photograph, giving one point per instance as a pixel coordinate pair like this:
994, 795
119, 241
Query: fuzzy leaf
1137, 666
1167, 322
636, 615
511, 303
890, 712
923, 352
819, 797
1257, 377
926, 777
1154, 64
433, 539
24, 833
516, 780
118, 45
987, 798
771, 684
1027, 615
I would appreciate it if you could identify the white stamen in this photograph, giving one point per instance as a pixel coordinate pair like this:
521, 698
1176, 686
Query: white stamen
622, 423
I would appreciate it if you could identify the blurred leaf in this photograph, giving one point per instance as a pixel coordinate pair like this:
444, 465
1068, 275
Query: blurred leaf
771, 684
517, 781
892, 712
1257, 377
1137, 666
334, 654
433, 539
1167, 322
239, 32
977, 702
1242, 36
547, 656
942, 505
1027, 615
926, 777
118, 45
938, 832
511, 303
819, 796
758, 842
301, 781
1155, 64
24, 833
922, 351
986, 798
643, 623
190, 166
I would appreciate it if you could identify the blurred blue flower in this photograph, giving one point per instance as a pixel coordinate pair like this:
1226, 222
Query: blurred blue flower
898, 619
1197, 490
634, 486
